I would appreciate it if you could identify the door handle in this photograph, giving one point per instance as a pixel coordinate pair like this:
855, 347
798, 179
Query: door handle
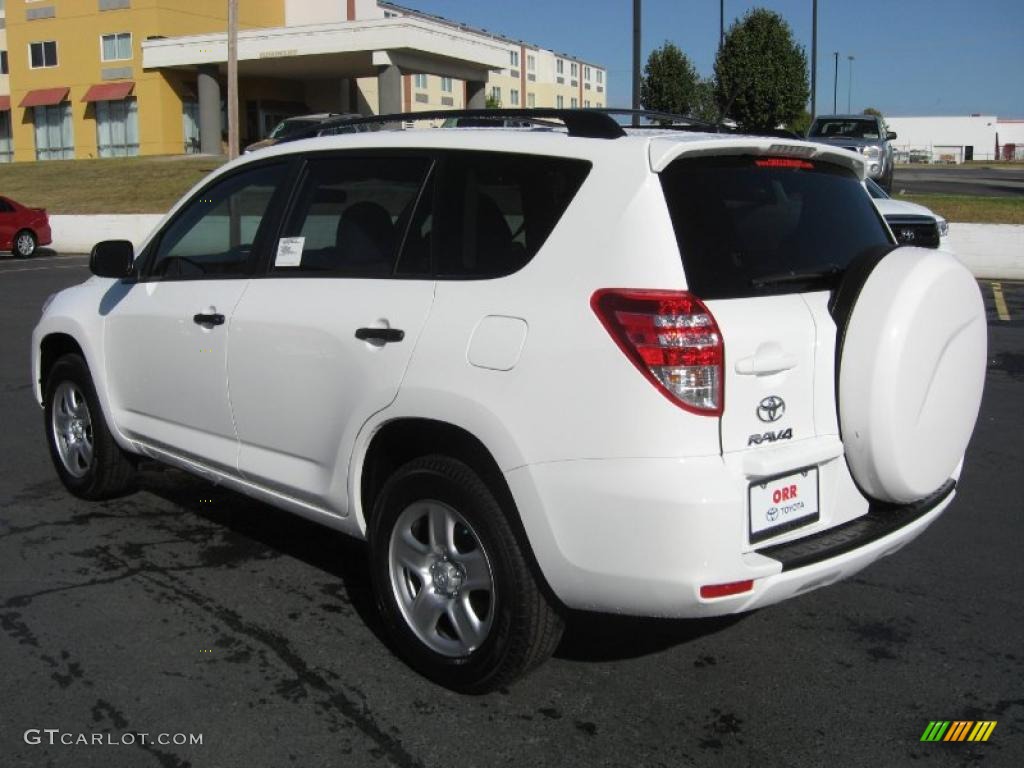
763, 364
208, 320
381, 335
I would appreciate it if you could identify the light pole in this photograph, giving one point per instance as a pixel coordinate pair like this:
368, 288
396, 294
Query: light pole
636, 60
835, 83
814, 61
232, 79
721, 23
849, 87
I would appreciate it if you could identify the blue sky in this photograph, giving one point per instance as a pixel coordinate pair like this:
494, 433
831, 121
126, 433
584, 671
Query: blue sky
912, 57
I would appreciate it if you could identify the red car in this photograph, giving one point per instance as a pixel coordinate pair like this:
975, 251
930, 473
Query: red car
22, 229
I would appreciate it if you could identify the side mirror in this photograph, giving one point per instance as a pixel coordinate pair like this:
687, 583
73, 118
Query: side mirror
112, 258
890, 136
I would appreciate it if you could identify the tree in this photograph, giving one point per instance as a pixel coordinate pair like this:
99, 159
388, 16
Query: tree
670, 81
876, 113
704, 105
761, 73
800, 124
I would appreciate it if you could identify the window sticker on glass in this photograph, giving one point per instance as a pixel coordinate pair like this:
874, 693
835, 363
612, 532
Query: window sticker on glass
289, 251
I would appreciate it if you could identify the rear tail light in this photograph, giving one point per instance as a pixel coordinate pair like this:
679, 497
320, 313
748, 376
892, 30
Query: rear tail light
672, 339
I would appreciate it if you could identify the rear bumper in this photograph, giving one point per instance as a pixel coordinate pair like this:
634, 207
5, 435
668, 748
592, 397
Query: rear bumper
641, 536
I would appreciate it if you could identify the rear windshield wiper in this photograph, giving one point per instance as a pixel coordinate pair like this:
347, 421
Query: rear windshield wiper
825, 273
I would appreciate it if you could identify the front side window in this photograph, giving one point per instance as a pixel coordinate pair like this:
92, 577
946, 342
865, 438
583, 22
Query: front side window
42, 54
53, 133
214, 233
117, 128
353, 215
498, 209
740, 221
116, 47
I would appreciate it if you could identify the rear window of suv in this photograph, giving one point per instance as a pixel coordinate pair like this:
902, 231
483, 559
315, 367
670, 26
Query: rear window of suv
746, 224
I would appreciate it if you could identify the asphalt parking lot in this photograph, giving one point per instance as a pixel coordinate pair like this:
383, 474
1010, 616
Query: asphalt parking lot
188, 609
946, 180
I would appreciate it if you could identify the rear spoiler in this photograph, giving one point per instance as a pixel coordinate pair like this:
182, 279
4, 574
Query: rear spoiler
663, 151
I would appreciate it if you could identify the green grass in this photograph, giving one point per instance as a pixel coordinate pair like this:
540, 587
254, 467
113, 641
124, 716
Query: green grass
116, 185
974, 210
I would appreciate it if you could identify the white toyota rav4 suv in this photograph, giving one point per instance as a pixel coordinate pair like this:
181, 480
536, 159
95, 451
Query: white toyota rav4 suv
663, 374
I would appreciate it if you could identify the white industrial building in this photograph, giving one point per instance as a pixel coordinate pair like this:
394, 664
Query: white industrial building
956, 139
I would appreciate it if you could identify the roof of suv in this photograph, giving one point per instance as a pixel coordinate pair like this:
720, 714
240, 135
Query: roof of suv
663, 145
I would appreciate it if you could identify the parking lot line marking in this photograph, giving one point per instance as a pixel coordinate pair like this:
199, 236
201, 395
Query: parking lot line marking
1001, 309
41, 269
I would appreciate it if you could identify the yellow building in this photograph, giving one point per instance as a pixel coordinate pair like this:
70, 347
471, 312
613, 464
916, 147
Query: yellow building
105, 78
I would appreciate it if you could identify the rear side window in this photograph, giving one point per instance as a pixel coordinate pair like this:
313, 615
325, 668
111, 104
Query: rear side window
740, 222
497, 210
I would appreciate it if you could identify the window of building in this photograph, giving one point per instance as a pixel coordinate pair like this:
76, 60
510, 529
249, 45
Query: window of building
116, 47
586, 73
560, 102
573, 69
587, 103
513, 97
117, 128
421, 81
42, 54
513, 57
3, 63
54, 137
531, 100
575, 102
6, 147
496, 94
600, 75
190, 126
213, 235
352, 214
446, 84
531, 63
560, 66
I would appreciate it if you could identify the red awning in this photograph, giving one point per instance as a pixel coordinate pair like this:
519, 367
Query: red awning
109, 91
44, 97
5, 103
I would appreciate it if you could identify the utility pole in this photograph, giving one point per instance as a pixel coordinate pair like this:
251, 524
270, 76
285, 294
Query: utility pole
849, 88
814, 61
835, 83
232, 79
636, 59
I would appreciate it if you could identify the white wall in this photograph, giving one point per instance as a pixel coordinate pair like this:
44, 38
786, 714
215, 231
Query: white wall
947, 135
298, 13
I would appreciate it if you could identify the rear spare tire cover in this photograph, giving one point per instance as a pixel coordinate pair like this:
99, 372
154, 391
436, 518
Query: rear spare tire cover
911, 372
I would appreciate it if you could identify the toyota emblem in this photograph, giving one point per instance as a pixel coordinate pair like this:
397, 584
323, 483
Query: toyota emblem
771, 408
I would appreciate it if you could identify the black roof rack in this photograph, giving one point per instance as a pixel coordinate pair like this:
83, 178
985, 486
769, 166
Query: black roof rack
592, 123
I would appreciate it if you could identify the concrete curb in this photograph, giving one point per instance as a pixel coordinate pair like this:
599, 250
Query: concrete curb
994, 251
78, 234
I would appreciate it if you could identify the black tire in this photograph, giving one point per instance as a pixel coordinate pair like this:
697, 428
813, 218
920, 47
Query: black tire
24, 243
109, 471
524, 627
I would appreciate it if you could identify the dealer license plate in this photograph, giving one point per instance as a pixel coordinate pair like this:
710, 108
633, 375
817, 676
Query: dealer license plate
783, 503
